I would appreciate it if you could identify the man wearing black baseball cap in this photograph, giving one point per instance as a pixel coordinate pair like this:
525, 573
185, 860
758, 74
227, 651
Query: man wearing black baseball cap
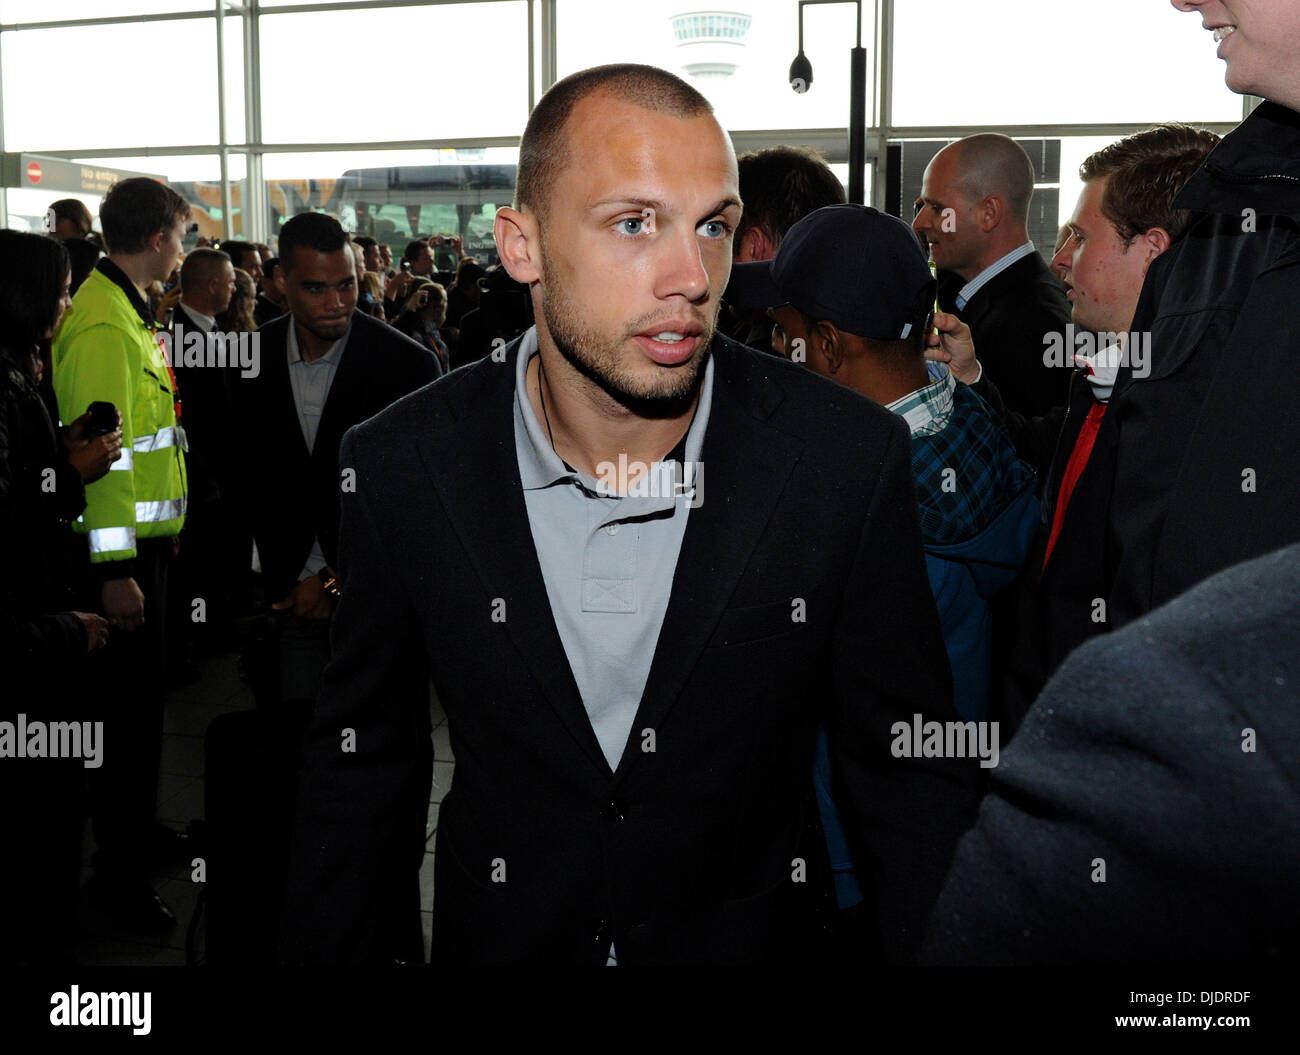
852, 296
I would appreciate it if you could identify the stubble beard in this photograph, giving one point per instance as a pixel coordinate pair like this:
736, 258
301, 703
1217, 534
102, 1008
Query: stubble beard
598, 358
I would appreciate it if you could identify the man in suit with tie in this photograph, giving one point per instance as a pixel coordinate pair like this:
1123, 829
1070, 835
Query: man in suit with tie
210, 556
641, 564
323, 368
973, 213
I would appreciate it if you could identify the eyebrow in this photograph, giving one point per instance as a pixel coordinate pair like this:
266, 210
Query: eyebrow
654, 203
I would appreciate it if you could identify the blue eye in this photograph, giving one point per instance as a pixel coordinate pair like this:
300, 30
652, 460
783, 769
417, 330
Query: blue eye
638, 220
720, 228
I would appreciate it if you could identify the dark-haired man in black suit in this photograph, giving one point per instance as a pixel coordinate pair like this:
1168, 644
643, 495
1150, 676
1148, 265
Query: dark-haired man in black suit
634, 654
323, 368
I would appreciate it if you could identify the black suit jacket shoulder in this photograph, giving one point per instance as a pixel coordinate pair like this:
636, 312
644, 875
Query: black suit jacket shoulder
1011, 318
292, 494
799, 599
1166, 751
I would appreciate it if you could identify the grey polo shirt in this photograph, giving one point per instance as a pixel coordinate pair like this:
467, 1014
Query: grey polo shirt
607, 561
311, 382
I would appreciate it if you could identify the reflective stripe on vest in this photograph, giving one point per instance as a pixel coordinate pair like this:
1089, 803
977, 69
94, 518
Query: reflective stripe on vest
110, 540
153, 512
127, 461
170, 436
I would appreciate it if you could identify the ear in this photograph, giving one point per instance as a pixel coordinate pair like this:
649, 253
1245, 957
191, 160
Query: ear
991, 212
155, 241
755, 244
826, 338
516, 235
1153, 243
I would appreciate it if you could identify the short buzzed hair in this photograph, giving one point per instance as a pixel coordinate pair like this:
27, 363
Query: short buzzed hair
780, 186
543, 150
202, 265
990, 163
1145, 172
316, 231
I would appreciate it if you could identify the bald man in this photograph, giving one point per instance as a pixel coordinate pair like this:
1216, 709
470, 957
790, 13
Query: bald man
973, 213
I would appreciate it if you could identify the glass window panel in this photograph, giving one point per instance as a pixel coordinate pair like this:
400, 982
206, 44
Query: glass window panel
167, 97
1048, 63
28, 11
196, 177
452, 71
397, 195
235, 123
744, 73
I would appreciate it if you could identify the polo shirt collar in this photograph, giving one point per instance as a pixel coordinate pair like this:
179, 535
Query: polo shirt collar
540, 466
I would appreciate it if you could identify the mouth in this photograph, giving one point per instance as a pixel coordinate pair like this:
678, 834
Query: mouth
1221, 34
671, 343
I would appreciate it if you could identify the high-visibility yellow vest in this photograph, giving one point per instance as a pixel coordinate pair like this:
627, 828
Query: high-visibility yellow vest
104, 351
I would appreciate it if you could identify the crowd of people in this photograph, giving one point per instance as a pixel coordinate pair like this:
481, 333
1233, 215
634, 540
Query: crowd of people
974, 644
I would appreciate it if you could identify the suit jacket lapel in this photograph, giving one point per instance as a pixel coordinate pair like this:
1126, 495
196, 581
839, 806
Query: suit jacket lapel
345, 390
279, 407
746, 464
492, 524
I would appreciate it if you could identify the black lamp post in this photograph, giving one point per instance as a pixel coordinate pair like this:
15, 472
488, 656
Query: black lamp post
801, 81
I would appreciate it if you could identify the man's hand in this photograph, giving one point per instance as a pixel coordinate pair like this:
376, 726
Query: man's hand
953, 345
123, 603
170, 299
92, 457
96, 629
308, 600
398, 286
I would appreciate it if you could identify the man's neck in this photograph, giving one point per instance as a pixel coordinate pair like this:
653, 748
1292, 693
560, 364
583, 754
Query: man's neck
885, 386
995, 251
138, 267
587, 426
311, 347
197, 308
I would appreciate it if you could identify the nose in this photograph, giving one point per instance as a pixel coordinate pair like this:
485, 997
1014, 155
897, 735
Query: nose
1186, 5
681, 268
1063, 261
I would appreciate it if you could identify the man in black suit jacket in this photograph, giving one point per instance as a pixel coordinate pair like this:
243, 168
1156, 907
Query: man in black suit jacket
266, 308
292, 427
642, 805
1147, 810
211, 557
972, 212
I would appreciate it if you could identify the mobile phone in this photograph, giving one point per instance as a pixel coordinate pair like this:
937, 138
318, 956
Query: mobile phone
103, 418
